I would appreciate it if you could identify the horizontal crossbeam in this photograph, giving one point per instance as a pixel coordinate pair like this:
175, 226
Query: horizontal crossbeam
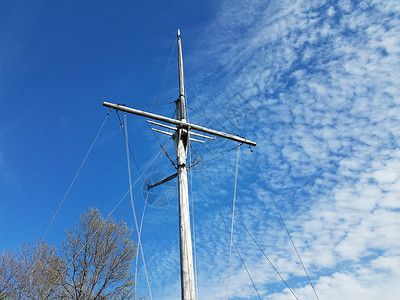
174, 128
171, 134
183, 124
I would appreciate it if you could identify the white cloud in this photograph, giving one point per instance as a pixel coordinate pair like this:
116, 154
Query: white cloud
322, 81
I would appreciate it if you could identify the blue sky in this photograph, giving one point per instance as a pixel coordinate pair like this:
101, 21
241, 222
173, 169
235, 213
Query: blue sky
319, 81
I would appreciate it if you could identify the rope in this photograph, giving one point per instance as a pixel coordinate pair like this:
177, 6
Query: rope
133, 207
211, 160
163, 148
211, 120
76, 175
164, 76
227, 229
191, 168
139, 237
193, 226
140, 230
284, 224
233, 218
194, 235
139, 105
123, 132
141, 249
111, 212
252, 237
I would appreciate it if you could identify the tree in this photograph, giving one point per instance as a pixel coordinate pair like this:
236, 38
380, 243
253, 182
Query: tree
94, 262
7, 275
98, 254
31, 272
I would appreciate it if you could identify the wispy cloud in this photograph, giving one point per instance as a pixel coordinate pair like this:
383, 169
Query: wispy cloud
322, 80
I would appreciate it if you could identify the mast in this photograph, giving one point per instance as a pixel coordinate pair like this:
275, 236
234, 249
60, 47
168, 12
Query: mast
181, 142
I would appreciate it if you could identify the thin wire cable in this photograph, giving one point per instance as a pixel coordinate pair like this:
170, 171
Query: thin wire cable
141, 249
211, 160
233, 218
140, 230
129, 174
130, 151
252, 237
227, 229
111, 212
133, 207
76, 175
284, 224
165, 151
137, 105
194, 235
164, 76
193, 223
140, 234
158, 93
144, 209
211, 120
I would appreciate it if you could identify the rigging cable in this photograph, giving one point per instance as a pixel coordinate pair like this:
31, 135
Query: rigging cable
211, 160
233, 217
158, 93
252, 237
196, 291
123, 132
227, 229
163, 148
133, 207
76, 175
164, 76
144, 209
140, 234
211, 120
141, 105
111, 212
284, 224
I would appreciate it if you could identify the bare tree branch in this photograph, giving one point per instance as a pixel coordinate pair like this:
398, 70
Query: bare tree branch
94, 263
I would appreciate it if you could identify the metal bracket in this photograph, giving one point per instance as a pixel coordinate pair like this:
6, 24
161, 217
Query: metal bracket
162, 181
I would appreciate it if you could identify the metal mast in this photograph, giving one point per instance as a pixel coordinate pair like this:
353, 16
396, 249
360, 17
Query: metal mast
181, 141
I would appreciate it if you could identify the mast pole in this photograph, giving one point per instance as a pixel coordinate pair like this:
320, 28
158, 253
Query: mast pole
181, 142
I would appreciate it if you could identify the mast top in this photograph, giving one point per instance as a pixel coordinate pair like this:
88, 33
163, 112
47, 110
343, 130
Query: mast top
180, 105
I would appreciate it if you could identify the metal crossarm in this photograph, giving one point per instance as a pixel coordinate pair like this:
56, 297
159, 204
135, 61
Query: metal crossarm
179, 123
174, 128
